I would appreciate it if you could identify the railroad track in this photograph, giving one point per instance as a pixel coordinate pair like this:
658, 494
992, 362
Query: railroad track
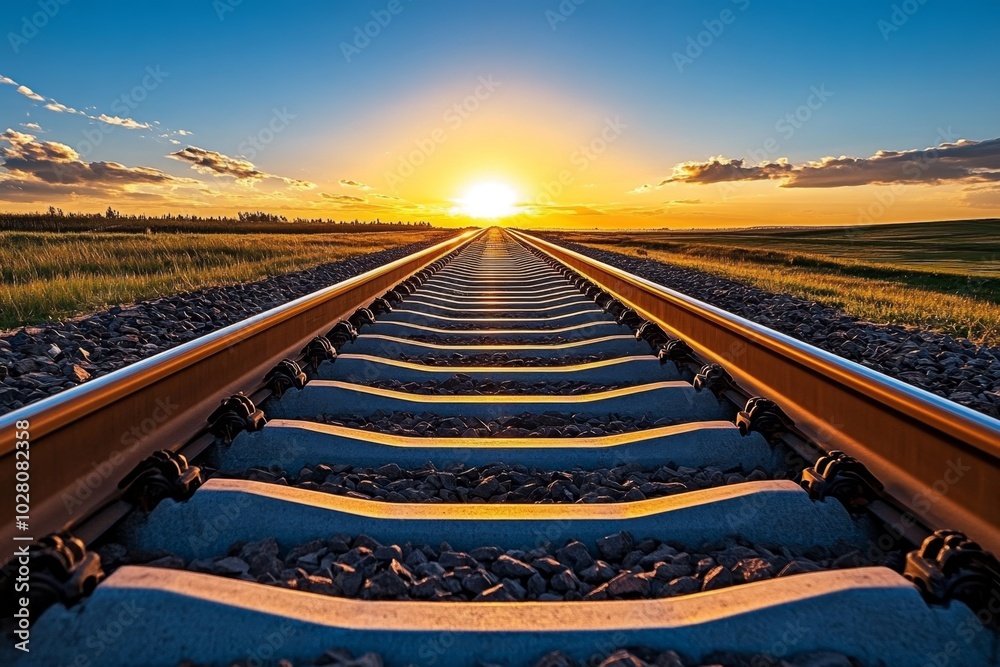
510, 450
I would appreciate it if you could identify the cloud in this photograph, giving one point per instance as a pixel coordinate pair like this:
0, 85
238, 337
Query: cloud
641, 189
184, 133
348, 183
32, 126
720, 169
345, 199
216, 164
963, 161
387, 197
33, 162
127, 123
62, 108
30, 94
58, 107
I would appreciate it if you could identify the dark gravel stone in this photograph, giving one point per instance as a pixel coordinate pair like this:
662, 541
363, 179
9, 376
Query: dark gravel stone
501, 359
543, 573
505, 566
499, 482
525, 425
463, 385
633, 656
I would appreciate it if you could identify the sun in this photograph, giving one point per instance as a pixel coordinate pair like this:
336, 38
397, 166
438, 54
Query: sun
488, 201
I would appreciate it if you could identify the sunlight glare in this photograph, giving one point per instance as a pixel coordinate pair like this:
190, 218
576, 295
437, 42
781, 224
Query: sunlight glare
488, 201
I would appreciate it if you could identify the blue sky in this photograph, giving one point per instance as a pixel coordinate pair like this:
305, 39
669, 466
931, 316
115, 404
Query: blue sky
897, 73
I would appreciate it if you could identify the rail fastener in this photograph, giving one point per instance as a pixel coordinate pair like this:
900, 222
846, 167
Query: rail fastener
843, 477
763, 416
235, 415
949, 566
164, 474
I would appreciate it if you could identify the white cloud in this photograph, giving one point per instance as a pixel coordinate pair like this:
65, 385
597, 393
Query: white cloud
30, 94
127, 123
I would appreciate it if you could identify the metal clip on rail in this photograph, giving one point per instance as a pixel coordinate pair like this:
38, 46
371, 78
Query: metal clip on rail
342, 333
675, 350
284, 376
629, 318
62, 570
651, 332
712, 377
361, 317
615, 307
763, 416
603, 299
318, 350
380, 306
165, 474
393, 296
949, 566
403, 289
842, 477
235, 415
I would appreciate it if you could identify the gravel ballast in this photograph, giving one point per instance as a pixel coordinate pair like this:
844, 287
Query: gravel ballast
957, 369
462, 384
525, 425
501, 483
38, 362
502, 359
626, 657
487, 339
620, 568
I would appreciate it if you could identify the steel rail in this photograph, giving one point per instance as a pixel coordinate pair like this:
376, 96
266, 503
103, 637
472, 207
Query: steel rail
939, 459
84, 440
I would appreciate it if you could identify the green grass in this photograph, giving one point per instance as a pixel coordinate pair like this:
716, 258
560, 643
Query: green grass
941, 276
47, 276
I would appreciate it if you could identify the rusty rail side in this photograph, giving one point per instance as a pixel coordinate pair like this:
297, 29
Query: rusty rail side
938, 459
84, 440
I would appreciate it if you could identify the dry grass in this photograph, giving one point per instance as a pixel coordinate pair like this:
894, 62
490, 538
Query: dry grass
47, 276
945, 301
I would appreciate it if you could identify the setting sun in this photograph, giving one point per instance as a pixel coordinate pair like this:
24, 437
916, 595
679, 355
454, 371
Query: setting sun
488, 201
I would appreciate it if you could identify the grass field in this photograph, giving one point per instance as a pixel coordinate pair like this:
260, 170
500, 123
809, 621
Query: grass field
943, 276
47, 276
